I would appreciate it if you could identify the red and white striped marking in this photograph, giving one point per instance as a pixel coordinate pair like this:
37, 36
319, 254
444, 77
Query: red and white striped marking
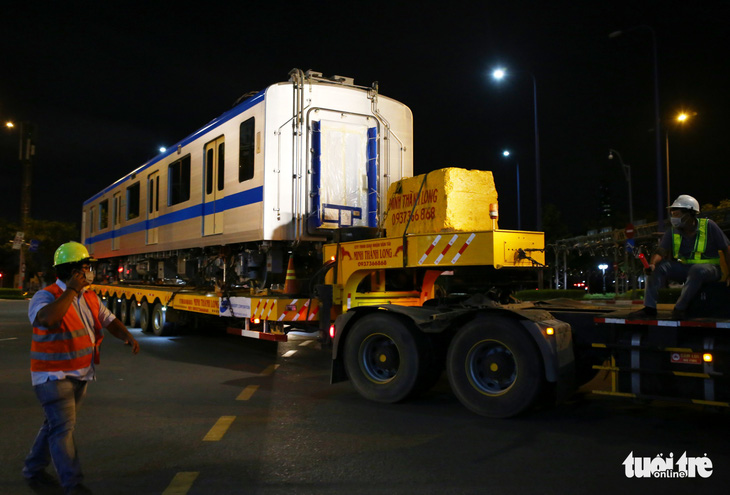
302, 311
283, 315
446, 249
313, 313
428, 251
276, 337
665, 323
463, 248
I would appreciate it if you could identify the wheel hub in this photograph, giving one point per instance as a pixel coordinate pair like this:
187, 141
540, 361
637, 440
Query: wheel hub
379, 358
491, 367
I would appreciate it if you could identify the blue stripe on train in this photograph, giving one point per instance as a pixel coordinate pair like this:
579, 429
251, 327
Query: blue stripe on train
243, 198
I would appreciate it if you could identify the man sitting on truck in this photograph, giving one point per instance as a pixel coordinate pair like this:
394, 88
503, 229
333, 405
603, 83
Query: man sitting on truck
688, 253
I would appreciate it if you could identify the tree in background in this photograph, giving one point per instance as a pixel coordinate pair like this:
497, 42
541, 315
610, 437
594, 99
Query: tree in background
49, 234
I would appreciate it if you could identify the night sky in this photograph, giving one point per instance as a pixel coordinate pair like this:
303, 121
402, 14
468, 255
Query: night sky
107, 83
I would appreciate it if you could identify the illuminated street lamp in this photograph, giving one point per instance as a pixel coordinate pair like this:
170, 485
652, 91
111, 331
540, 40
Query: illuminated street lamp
506, 154
26, 151
603, 267
681, 118
500, 74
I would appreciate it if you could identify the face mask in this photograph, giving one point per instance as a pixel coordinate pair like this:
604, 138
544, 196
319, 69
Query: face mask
89, 277
676, 222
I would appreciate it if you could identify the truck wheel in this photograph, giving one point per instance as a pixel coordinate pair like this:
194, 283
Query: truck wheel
134, 314
159, 325
382, 358
124, 310
494, 367
144, 317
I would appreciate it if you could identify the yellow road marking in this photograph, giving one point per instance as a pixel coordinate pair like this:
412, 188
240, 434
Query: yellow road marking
289, 353
219, 429
247, 392
181, 483
270, 369
306, 342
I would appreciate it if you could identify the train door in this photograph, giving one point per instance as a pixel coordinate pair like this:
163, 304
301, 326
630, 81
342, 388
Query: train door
344, 172
213, 187
116, 219
153, 206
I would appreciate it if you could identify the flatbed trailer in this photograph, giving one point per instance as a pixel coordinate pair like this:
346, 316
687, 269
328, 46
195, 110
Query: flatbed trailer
158, 309
664, 359
501, 359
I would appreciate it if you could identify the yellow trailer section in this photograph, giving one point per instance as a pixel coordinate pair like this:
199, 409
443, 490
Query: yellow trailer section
436, 252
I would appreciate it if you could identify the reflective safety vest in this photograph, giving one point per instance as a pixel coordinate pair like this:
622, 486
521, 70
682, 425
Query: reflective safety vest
68, 346
700, 245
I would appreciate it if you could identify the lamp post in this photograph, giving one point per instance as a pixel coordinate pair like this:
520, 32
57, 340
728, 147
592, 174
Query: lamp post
500, 74
657, 122
603, 267
627, 173
26, 151
681, 118
506, 154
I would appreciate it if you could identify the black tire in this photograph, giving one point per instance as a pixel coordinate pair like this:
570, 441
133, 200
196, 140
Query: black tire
382, 358
134, 314
123, 310
158, 322
494, 367
144, 317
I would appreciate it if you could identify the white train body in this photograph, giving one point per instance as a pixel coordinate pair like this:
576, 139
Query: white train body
286, 164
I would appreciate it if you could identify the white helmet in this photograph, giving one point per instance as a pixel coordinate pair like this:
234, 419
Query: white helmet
686, 202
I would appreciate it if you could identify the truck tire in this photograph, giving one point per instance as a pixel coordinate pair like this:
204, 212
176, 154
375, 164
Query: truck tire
494, 367
123, 310
382, 358
134, 312
144, 317
158, 322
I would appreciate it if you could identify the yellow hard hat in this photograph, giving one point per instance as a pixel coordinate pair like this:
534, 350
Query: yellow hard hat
71, 252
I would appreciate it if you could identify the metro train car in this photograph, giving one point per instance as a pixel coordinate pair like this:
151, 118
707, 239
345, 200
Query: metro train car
279, 173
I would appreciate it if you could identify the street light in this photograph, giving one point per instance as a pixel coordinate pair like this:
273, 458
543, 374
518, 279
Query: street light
26, 151
506, 154
603, 267
657, 123
681, 118
627, 173
500, 74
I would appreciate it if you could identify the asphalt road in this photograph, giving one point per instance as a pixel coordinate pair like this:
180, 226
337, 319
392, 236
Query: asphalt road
218, 414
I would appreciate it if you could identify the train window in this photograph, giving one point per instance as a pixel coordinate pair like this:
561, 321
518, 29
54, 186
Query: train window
133, 201
91, 220
221, 165
104, 214
246, 151
209, 172
178, 175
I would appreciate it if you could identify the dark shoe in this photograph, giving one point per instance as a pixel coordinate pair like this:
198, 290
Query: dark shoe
679, 314
644, 313
41, 479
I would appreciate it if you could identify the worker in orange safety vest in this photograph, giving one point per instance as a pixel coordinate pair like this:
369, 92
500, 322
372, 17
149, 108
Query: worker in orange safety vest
67, 324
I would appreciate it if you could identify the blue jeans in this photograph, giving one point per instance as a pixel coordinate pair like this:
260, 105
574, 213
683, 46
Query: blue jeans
61, 400
692, 274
